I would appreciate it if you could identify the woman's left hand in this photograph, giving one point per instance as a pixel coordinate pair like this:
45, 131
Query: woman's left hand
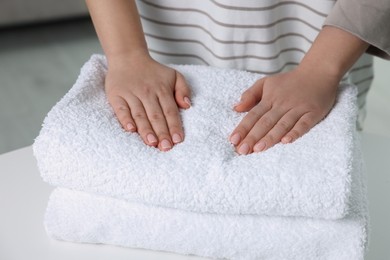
282, 108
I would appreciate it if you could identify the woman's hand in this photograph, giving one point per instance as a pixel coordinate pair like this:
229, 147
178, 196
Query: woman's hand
282, 108
145, 96
285, 106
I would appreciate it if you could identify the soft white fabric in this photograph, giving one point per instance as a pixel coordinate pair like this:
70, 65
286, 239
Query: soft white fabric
82, 217
82, 146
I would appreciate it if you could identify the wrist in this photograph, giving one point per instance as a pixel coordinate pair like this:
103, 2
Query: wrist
333, 53
320, 70
121, 59
318, 77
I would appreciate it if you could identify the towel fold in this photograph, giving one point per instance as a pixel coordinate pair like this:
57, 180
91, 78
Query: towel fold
82, 147
83, 217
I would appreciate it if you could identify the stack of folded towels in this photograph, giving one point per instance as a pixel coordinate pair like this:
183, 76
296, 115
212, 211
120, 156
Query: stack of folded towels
305, 200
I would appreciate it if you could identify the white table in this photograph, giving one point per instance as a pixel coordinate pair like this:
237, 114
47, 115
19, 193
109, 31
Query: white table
23, 198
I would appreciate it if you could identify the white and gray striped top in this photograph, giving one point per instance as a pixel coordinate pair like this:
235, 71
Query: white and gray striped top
267, 36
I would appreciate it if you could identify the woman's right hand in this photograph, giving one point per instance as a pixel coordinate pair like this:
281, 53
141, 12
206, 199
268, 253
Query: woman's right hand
146, 97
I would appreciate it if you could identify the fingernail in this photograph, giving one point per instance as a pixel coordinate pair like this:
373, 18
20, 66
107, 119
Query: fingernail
286, 139
151, 138
187, 100
244, 149
235, 139
165, 144
130, 127
259, 147
176, 138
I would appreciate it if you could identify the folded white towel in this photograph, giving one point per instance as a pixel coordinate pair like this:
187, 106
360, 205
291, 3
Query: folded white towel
82, 146
82, 217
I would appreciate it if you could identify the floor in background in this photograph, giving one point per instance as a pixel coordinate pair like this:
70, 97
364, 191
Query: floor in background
38, 65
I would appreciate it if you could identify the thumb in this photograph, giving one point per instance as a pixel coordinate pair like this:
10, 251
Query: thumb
250, 97
182, 92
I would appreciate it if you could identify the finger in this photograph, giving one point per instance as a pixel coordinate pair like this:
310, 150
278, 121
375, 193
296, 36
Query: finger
182, 92
158, 122
274, 136
259, 130
250, 97
304, 124
172, 117
143, 125
122, 112
247, 123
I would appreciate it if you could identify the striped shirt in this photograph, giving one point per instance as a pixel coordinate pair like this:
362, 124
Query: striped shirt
267, 37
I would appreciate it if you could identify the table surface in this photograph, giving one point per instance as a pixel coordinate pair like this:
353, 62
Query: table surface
23, 199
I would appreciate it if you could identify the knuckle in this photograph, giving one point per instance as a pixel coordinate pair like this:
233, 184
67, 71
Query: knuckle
124, 117
267, 122
268, 139
294, 134
145, 91
171, 112
155, 116
121, 108
311, 108
283, 125
305, 124
139, 115
253, 114
242, 129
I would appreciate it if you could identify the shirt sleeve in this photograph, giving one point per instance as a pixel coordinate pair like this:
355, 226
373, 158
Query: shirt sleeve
367, 19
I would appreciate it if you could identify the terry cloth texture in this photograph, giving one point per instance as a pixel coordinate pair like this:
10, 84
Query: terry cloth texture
83, 217
83, 147
305, 200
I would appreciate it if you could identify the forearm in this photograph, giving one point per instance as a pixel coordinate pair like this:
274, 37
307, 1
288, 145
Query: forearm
333, 53
118, 26
367, 19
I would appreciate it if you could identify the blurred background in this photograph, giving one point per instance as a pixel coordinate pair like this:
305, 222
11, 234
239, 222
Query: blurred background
44, 43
